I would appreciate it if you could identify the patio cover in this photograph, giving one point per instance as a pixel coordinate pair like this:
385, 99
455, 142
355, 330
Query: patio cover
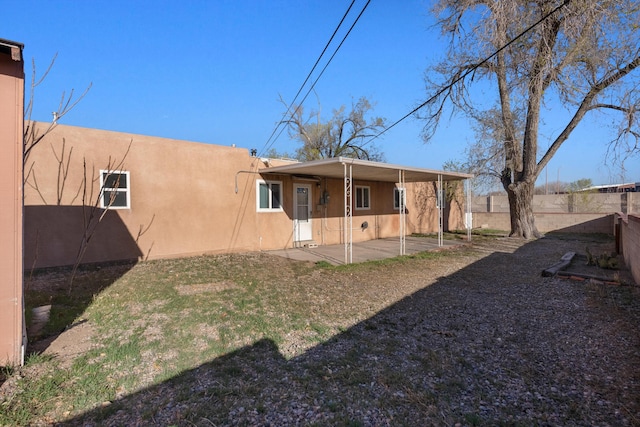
349, 169
364, 170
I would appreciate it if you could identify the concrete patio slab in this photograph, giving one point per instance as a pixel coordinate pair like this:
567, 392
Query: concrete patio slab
366, 251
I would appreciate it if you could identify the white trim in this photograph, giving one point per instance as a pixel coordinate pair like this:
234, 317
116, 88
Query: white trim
403, 191
347, 228
368, 200
402, 211
364, 170
297, 235
126, 190
440, 206
269, 185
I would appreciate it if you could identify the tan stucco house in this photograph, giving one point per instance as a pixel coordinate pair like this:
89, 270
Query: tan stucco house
160, 198
112, 196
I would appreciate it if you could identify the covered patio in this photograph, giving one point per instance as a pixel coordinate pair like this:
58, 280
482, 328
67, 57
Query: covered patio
348, 170
367, 251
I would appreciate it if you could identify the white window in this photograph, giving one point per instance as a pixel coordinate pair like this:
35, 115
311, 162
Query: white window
114, 190
397, 193
363, 200
269, 196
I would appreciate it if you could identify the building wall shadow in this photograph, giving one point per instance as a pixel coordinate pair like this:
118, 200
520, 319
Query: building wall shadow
53, 235
603, 225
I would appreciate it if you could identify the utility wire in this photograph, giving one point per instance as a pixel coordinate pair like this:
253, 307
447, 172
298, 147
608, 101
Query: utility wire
469, 71
308, 77
319, 75
334, 53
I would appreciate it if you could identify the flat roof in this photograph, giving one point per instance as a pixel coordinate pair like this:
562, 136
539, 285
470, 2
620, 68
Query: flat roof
12, 48
363, 170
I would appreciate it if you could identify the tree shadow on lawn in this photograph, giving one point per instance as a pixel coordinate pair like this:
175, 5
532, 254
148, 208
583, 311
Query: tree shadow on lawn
489, 344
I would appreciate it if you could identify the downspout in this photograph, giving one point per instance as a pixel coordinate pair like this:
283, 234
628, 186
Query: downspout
253, 164
236, 191
239, 172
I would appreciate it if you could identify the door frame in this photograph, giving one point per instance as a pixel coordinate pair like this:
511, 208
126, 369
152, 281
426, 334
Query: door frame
296, 227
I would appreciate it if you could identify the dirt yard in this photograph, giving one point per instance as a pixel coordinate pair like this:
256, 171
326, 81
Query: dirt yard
477, 337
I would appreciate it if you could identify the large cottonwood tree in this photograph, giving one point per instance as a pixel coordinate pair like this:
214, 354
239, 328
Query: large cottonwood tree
582, 56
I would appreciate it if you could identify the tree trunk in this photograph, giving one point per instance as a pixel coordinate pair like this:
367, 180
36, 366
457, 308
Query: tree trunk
521, 210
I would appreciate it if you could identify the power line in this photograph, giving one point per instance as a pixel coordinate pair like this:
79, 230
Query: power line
308, 76
334, 53
466, 73
267, 146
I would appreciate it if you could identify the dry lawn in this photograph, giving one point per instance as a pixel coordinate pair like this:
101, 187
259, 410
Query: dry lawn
473, 336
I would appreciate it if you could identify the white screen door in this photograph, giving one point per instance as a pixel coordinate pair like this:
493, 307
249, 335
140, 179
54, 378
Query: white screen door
302, 212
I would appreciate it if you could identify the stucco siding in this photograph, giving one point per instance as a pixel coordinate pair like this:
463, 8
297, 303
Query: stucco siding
189, 198
183, 199
11, 130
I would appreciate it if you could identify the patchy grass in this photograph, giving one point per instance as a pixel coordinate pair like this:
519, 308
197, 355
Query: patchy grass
213, 339
150, 327
157, 319
50, 287
462, 234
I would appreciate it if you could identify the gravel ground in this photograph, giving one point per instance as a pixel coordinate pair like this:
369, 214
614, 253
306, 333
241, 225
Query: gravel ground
474, 339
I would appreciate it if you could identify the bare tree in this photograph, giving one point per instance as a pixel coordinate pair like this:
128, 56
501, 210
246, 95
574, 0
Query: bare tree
32, 134
95, 206
64, 164
485, 155
577, 55
343, 135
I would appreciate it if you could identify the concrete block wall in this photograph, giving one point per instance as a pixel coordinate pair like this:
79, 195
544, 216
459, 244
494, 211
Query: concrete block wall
550, 203
631, 203
493, 220
480, 204
565, 203
498, 204
573, 223
629, 242
596, 202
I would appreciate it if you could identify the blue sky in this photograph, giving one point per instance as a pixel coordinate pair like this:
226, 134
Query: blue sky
213, 71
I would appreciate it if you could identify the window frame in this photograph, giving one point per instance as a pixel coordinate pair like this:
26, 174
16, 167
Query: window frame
396, 200
269, 185
368, 198
126, 189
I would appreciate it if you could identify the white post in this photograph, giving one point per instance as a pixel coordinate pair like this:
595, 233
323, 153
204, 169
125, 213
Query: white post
469, 218
348, 218
440, 201
401, 208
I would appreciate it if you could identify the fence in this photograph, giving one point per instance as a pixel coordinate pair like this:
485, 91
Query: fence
627, 228
566, 203
573, 213
546, 222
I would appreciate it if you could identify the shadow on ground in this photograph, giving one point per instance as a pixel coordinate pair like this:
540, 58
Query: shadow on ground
53, 236
67, 300
493, 343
